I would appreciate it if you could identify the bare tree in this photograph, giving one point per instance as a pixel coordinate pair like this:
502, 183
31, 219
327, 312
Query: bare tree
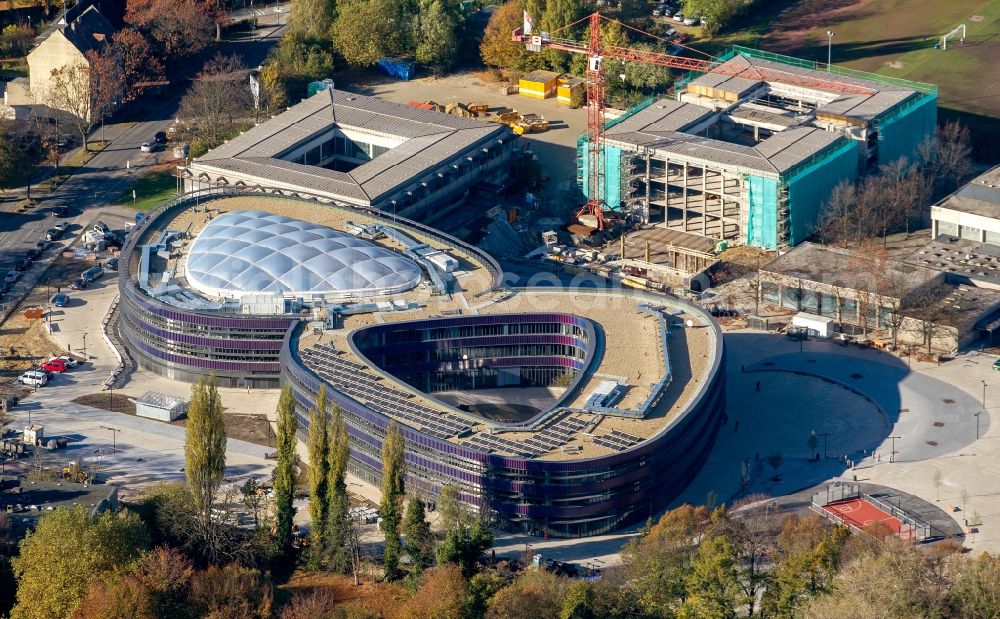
774, 460
752, 525
927, 306
936, 478
218, 100
837, 225
947, 156
69, 90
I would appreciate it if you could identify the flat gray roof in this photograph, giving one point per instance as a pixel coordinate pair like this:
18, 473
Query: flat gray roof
980, 196
738, 85
660, 127
429, 140
835, 266
883, 96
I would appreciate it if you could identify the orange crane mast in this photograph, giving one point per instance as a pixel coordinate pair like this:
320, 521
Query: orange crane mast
596, 53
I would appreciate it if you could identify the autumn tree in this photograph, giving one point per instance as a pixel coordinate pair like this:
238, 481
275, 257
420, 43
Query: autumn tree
752, 527
497, 48
156, 585
67, 551
106, 86
536, 594
16, 159
69, 90
656, 565
317, 446
232, 592
441, 595
393, 490
177, 28
140, 64
205, 447
366, 30
805, 560
975, 591
715, 14
285, 472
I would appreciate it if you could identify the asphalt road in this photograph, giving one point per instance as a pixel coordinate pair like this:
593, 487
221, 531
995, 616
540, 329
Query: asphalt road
97, 185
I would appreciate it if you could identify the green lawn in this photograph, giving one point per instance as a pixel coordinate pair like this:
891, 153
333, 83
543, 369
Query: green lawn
150, 190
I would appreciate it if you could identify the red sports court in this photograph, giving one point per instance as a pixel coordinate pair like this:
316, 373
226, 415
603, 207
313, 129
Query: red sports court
861, 514
846, 504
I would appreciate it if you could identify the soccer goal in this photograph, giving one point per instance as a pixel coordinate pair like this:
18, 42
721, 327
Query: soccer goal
959, 28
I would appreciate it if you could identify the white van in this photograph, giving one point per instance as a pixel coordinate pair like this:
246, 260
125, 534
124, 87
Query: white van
33, 378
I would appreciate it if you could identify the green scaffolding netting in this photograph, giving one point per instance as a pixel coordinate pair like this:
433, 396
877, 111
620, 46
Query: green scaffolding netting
809, 186
905, 127
762, 226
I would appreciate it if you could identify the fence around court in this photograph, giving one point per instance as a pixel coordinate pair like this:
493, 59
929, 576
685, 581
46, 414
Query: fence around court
910, 528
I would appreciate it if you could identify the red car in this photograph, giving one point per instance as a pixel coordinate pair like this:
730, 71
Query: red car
55, 365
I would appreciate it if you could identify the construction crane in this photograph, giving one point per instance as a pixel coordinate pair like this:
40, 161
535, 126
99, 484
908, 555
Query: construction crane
597, 52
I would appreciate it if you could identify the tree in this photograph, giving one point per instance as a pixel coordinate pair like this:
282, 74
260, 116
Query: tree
441, 595
948, 155
16, 159
715, 14
419, 539
774, 460
285, 472
157, 585
712, 586
205, 446
140, 64
498, 49
311, 18
657, 564
393, 490
933, 315
178, 28
218, 102
805, 561
106, 84
837, 225
437, 43
69, 90
976, 590
464, 546
752, 528
536, 594
67, 551
342, 535
578, 602
232, 592
318, 448
366, 30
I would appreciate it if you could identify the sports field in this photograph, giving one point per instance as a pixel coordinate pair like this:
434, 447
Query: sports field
896, 38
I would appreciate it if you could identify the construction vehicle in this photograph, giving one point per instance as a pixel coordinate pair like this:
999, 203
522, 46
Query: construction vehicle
597, 53
74, 473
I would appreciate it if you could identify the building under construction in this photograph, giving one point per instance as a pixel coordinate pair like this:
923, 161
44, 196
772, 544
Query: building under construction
749, 151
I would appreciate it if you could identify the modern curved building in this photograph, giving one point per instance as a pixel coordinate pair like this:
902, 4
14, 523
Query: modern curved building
560, 412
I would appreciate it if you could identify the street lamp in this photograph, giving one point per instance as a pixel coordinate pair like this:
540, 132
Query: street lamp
977, 424
114, 435
85, 345
984, 393
829, 48
892, 454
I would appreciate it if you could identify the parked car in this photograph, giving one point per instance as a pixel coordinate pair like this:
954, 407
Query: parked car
54, 365
33, 378
112, 265
59, 211
23, 264
62, 225
5, 286
679, 17
691, 21
79, 284
150, 147
12, 276
60, 299
33, 254
160, 137
53, 234
69, 361
667, 11
996, 365
92, 274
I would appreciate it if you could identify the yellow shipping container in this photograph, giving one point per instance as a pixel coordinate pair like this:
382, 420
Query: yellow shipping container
568, 87
539, 84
